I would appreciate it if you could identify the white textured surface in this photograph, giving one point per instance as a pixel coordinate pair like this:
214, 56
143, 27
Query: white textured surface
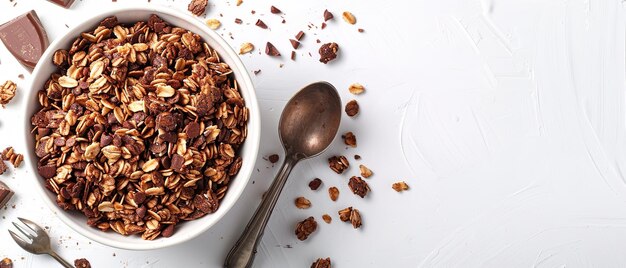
505, 117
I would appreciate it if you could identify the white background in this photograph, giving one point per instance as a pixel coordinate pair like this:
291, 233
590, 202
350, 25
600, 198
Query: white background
506, 118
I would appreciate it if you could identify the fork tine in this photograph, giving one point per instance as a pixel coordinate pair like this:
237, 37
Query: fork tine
19, 240
31, 225
21, 229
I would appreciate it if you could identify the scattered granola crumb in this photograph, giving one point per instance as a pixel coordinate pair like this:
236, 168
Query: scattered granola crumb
338, 163
273, 158
321, 263
7, 92
327, 218
361, 30
271, 50
357, 157
356, 89
352, 215
239, 2
10, 155
349, 17
245, 48
20, 76
327, 15
6, 263
261, 24
82, 263
253, 12
238, 21
257, 72
197, 7
302, 203
328, 52
333, 193
275, 10
213, 24
352, 108
400, 186
315, 184
358, 186
365, 172
305, 228
349, 139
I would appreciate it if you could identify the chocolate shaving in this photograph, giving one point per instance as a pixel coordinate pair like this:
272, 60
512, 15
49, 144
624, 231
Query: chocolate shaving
275, 10
299, 35
261, 24
271, 50
294, 43
327, 15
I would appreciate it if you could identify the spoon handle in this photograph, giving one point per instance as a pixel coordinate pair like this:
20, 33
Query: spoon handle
242, 254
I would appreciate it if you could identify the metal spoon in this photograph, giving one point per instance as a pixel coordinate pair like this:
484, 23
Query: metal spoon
307, 126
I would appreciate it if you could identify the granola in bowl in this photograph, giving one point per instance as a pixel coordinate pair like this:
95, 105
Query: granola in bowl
140, 129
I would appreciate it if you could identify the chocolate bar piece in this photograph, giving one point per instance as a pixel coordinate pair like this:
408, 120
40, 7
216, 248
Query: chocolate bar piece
63, 3
5, 194
25, 38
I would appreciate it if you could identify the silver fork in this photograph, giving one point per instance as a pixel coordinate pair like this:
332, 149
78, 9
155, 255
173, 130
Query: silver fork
37, 240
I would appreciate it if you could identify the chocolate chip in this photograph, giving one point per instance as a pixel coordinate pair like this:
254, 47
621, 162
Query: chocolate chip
177, 162
300, 35
261, 24
271, 50
294, 43
192, 130
47, 171
168, 231
109, 22
315, 184
327, 15
273, 158
275, 10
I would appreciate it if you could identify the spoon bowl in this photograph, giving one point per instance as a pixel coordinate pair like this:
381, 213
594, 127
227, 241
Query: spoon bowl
310, 120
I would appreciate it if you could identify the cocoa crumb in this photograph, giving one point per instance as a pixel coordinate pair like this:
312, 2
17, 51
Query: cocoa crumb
315, 184
273, 158
327, 15
321, 263
352, 108
82, 263
328, 52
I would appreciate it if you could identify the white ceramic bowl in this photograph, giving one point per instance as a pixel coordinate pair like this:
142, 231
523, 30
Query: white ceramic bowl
186, 230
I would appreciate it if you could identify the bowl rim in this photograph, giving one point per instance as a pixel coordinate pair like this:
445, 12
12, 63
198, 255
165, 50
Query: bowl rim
253, 137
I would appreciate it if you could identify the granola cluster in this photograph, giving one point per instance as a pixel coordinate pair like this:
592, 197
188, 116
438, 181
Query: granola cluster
7, 92
139, 129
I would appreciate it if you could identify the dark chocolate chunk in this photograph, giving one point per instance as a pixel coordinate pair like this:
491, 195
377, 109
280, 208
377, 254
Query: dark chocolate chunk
109, 22
25, 38
327, 15
63, 3
271, 50
238, 21
273, 158
5, 194
293, 55
261, 24
177, 162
